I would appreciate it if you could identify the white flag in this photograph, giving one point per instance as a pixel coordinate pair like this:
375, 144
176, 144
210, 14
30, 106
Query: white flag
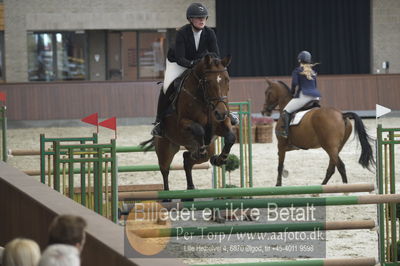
381, 110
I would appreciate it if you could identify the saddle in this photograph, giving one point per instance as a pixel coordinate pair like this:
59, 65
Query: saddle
309, 105
174, 90
298, 115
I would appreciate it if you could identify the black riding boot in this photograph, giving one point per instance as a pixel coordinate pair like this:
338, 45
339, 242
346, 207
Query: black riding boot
285, 124
161, 107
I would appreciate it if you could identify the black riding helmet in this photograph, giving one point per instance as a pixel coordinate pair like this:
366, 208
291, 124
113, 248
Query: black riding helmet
196, 10
304, 57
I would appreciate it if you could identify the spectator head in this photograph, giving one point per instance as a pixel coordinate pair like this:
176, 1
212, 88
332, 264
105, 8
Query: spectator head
69, 230
60, 255
21, 252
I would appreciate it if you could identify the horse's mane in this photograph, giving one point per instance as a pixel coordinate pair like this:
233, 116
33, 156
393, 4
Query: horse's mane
284, 85
212, 54
214, 57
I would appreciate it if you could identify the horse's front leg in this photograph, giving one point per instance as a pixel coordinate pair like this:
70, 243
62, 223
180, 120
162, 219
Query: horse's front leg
281, 155
224, 130
193, 138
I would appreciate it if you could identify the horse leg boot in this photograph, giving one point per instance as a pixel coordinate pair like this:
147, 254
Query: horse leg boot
221, 159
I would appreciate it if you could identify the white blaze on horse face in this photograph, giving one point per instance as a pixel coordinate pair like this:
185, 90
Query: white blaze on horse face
219, 78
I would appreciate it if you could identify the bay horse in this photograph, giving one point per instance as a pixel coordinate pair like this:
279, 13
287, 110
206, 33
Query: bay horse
323, 127
201, 115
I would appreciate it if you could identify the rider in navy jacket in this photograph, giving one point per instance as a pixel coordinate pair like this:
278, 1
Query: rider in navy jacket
306, 86
304, 78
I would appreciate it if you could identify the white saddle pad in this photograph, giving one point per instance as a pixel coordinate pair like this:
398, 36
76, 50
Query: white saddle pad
172, 71
298, 117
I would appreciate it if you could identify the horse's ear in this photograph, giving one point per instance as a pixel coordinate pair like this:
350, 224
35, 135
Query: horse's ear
208, 60
226, 61
268, 81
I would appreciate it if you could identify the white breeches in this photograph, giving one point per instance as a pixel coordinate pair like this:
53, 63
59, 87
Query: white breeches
172, 71
296, 103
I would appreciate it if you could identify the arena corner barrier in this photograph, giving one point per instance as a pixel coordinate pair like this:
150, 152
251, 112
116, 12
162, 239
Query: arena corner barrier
23, 198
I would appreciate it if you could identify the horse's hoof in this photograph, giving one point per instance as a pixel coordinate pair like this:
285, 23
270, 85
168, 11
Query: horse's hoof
278, 184
213, 160
217, 161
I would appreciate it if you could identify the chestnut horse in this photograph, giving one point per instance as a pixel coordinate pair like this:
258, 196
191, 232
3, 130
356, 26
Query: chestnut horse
326, 128
201, 115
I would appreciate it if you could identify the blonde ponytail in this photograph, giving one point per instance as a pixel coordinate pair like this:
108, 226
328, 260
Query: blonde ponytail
308, 71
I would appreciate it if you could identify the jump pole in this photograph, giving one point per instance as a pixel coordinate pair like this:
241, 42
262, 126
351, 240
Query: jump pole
131, 168
254, 228
264, 203
311, 262
242, 192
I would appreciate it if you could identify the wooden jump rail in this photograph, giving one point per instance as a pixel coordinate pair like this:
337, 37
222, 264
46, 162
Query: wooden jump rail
130, 168
242, 192
261, 203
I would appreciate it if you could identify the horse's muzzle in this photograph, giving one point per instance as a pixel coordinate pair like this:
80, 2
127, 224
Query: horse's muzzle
220, 116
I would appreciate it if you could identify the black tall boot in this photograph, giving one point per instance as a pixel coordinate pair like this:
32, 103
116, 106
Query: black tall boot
285, 124
161, 107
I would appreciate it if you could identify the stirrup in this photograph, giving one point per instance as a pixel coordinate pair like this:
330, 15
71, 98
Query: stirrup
157, 131
234, 119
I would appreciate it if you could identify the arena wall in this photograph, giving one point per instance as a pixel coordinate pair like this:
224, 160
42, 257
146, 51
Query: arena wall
75, 100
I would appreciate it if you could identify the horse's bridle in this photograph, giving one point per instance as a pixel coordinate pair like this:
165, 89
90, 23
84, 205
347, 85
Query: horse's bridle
211, 102
271, 107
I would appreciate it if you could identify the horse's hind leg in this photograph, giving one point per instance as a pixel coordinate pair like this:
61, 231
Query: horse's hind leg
165, 152
342, 170
334, 160
329, 172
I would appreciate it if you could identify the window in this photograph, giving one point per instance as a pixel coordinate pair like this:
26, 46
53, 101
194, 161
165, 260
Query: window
56, 56
133, 55
40, 57
151, 54
70, 56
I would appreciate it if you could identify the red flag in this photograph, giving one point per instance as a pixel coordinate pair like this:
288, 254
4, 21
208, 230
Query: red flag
3, 97
110, 123
92, 119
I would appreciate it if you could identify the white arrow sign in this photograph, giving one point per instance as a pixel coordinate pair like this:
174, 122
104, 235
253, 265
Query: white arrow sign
381, 110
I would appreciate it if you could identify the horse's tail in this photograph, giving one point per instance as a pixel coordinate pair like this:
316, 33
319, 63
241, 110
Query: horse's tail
367, 157
147, 145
